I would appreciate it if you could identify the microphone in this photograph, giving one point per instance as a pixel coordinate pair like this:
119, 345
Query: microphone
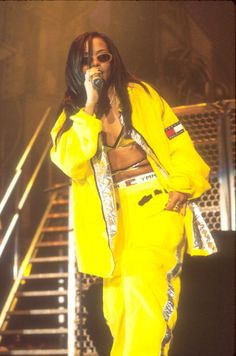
97, 82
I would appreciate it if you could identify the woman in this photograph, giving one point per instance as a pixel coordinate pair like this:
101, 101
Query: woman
133, 168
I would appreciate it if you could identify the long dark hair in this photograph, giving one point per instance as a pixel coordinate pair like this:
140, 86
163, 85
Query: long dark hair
75, 96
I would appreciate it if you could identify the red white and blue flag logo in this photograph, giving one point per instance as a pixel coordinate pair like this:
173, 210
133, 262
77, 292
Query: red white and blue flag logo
174, 130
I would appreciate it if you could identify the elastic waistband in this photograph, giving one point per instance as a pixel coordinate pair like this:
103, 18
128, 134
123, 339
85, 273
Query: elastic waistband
136, 180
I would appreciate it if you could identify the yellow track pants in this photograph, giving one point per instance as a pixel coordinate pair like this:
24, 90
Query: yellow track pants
140, 300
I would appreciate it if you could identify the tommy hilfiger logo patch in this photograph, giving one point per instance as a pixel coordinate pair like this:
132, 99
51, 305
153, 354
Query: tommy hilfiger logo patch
174, 130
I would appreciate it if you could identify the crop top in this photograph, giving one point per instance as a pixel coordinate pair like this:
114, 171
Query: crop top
116, 157
121, 141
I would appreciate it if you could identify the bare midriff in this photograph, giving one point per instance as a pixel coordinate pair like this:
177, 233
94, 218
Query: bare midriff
128, 161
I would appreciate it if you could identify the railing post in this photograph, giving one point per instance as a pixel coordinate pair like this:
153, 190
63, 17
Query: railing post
226, 170
71, 297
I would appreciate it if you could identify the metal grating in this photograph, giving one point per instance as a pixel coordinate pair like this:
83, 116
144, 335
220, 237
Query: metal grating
202, 123
84, 340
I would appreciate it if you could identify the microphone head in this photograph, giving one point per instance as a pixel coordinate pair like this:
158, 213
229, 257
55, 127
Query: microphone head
98, 83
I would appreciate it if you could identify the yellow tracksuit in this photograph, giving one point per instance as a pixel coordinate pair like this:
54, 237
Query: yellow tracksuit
137, 250
140, 300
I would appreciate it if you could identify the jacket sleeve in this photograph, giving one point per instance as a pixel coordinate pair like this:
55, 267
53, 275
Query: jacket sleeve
189, 173
74, 148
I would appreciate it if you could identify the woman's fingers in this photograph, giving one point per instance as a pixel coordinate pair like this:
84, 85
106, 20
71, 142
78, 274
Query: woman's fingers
176, 201
92, 93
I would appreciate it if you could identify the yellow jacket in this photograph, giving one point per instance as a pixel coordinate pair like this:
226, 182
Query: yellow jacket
169, 149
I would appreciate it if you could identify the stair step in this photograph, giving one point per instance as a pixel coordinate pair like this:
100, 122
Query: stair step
52, 244
58, 215
46, 275
35, 352
34, 331
44, 352
41, 293
56, 229
39, 311
49, 259
60, 202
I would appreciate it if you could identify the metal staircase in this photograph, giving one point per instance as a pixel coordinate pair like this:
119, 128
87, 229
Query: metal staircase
43, 312
34, 319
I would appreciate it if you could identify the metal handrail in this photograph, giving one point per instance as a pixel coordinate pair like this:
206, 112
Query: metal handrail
15, 179
22, 201
22, 161
179, 109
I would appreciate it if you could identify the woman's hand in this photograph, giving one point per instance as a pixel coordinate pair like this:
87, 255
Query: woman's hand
91, 92
176, 201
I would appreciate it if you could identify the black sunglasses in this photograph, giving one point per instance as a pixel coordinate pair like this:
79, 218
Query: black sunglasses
101, 57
